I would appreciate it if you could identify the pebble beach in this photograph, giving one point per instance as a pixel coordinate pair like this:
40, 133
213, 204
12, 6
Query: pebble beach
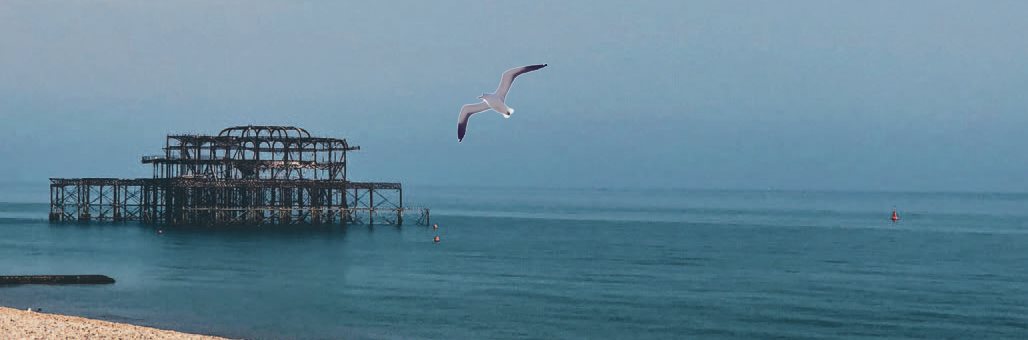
22, 324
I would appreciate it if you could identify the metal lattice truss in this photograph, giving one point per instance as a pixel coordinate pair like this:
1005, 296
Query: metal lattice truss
243, 175
192, 201
252, 152
95, 199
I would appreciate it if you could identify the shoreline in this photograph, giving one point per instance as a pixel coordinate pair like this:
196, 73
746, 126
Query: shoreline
21, 324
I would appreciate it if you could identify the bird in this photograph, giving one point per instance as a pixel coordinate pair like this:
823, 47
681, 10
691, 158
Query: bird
494, 101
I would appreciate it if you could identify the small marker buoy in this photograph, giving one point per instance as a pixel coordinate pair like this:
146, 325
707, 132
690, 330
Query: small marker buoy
436, 239
895, 216
435, 226
160, 231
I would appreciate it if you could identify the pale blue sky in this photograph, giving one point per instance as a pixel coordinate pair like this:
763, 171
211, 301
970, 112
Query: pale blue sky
867, 95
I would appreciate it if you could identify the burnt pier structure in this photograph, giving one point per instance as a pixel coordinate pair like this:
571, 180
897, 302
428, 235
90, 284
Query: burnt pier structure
244, 175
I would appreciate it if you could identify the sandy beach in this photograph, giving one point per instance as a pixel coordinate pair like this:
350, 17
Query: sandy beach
21, 324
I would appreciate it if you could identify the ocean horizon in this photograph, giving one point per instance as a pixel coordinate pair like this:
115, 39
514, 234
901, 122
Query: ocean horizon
559, 263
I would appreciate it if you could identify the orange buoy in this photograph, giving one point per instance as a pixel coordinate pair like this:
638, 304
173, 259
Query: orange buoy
436, 240
895, 216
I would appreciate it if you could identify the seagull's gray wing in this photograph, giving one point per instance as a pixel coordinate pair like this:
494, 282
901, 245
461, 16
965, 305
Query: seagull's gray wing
465, 112
508, 78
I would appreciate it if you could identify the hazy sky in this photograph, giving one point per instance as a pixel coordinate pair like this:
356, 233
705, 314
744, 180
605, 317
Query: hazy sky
869, 95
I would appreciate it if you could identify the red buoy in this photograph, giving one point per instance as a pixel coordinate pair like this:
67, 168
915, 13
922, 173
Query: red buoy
895, 216
436, 240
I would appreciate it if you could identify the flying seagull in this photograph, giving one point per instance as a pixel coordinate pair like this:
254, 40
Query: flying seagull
494, 101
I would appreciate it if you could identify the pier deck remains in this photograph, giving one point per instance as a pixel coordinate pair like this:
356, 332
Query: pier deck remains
245, 175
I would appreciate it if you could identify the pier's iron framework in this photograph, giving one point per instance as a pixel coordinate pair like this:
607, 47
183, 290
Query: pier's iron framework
245, 175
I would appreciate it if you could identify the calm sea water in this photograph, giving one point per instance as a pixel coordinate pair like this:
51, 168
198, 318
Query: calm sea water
534, 263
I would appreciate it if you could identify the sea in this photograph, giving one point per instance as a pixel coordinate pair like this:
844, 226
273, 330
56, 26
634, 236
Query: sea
545, 263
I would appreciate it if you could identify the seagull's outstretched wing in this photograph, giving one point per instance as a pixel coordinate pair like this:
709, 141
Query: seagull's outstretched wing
508, 78
465, 112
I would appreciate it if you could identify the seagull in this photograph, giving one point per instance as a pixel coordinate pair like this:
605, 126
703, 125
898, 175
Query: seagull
494, 101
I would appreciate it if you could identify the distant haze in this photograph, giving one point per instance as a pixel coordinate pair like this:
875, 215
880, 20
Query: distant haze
864, 95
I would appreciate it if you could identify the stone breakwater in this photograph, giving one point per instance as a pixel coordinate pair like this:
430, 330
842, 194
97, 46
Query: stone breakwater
21, 324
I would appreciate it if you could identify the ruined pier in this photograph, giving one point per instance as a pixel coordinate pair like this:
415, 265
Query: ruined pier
245, 175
